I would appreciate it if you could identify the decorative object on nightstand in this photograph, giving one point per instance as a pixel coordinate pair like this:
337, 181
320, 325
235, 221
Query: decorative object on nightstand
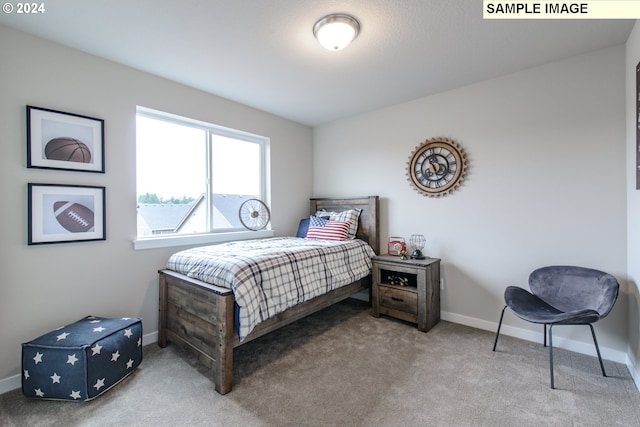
436, 167
407, 290
396, 246
417, 241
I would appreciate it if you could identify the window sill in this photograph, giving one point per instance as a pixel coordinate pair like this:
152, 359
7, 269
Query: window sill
200, 239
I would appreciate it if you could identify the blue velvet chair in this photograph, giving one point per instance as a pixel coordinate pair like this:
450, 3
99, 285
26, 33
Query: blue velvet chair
563, 295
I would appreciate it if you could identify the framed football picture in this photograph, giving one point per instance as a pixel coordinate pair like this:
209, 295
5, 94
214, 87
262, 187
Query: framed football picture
65, 213
58, 140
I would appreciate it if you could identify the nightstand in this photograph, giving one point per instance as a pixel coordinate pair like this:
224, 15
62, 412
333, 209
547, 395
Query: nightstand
407, 289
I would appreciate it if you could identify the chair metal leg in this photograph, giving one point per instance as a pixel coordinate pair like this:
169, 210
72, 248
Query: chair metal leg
593, 334
595, 341
495, 343
551, 356
544, 330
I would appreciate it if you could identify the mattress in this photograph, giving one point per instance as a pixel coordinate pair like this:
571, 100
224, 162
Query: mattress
268, 276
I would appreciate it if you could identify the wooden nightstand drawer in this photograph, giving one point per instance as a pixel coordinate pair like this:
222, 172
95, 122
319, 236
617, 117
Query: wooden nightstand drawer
406, 289
399, 299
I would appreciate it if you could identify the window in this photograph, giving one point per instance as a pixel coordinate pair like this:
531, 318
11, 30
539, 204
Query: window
193, 176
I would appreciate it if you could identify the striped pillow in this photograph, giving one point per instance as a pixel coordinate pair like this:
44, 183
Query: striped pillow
332, 230
351, 215
316, 221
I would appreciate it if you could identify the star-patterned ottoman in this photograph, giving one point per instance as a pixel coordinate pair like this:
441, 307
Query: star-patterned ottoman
82, 360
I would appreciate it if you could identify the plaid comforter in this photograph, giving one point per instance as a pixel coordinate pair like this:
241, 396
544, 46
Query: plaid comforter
270, 275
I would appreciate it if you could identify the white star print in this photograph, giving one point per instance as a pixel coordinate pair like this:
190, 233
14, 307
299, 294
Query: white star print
99, 384
139, 341
98, 329
75, 394
96, 349
63, 336
95, 321
26, 374
38, 357
72, 359
128, 333
56, 378
115, 356
129, 363
39, 392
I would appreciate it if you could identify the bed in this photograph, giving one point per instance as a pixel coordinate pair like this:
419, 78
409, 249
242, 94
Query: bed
201, 317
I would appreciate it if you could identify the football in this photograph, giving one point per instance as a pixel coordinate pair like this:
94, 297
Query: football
67, 149
74, 217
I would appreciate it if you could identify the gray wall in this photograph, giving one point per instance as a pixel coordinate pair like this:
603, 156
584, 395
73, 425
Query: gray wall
545, 185
633, 203
46, 286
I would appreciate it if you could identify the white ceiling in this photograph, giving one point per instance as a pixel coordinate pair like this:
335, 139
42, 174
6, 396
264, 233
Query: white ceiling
262, 53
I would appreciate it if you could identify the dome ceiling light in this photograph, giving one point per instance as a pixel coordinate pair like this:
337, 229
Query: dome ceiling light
335, 32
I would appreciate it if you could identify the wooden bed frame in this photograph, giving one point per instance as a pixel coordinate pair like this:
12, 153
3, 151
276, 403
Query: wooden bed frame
199, 316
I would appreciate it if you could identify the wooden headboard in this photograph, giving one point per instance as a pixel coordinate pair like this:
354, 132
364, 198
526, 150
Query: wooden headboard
368, 229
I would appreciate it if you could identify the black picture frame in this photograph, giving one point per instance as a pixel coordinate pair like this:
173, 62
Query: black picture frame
66, 141
65, 213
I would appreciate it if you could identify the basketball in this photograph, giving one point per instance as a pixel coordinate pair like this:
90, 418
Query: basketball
67, 149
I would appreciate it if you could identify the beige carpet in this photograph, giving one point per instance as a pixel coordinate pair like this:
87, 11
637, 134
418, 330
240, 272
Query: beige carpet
342, 367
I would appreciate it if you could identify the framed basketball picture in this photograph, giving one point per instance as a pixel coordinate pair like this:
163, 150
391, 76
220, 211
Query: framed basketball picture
65, 213
58, 140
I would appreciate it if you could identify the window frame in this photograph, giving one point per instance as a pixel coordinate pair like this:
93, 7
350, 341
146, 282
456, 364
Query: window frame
212, 235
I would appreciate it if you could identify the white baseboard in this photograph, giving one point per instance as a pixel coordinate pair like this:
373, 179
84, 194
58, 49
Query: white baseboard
633, 368
14, 382
150, 338
572, 345
10, 383
528, 335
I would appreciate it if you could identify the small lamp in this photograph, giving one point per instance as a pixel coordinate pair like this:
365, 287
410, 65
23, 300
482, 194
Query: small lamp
335, 32
417, 241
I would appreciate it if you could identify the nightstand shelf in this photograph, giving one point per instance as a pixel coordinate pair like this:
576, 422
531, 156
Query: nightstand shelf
407, 289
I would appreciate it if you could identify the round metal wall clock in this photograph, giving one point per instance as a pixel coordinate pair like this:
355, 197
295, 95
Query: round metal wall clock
436, 167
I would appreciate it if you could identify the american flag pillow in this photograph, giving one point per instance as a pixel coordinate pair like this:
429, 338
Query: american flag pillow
317, 221
351, 215
332, 230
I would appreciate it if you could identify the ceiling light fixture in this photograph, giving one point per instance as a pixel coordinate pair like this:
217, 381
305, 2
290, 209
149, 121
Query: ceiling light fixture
335, 32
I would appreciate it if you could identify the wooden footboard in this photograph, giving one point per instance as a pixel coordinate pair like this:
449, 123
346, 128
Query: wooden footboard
199, 317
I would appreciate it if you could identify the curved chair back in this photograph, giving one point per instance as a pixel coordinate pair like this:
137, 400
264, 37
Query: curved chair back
570, 288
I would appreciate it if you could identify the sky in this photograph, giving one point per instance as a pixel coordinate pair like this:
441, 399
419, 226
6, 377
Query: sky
172, 161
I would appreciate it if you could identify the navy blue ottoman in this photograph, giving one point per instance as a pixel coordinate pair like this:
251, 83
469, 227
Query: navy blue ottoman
82, 360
